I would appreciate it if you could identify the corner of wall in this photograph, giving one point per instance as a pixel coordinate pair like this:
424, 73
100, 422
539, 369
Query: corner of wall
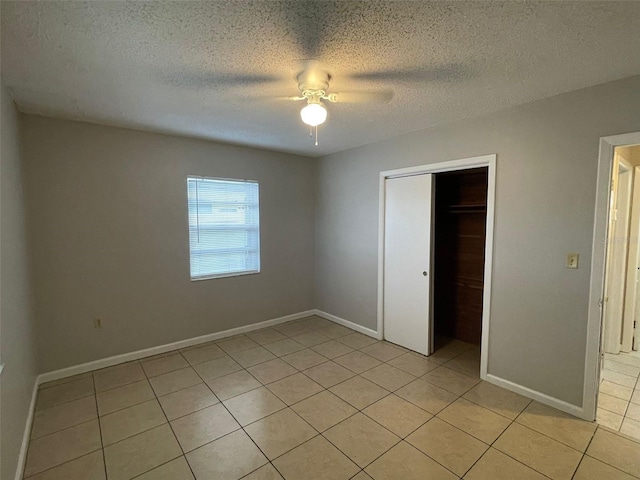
17, 322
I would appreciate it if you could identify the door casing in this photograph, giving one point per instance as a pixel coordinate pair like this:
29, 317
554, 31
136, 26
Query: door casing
440, 167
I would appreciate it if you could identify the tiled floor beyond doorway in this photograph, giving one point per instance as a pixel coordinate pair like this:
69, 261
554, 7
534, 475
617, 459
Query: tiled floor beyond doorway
310, 400
619, 396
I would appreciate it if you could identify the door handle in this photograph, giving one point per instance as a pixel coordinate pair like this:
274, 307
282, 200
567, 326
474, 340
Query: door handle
424, 274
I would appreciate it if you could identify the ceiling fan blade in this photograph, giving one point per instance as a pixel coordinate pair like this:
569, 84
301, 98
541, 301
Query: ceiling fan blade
268, 98
197, 79
383, 96
284, 98
444, 73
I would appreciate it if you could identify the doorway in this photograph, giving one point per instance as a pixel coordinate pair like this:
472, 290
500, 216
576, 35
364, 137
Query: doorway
430, 216
618, 404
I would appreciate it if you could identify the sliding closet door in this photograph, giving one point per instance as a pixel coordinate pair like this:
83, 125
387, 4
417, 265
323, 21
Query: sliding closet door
407, 262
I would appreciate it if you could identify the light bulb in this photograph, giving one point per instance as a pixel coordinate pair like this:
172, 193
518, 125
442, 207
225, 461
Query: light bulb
313, 114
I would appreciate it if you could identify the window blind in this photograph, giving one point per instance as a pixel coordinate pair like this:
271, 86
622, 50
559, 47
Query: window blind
224, 227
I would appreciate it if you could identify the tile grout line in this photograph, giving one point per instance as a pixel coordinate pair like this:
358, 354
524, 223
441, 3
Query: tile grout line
95, 398
62, 403
239, 425
621, 384
68, 428
64, 380
319, 433
144, 431
64, 430
612, 466
584, 453
161, 465
605, 429
510, 456
573, 476
491, 446
96, 392
619, 398
169, 423
345, 454
467, 433
404, 439
547, 436
123, 386
63, 463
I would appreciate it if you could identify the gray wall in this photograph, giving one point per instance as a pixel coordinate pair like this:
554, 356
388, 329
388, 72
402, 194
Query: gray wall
108, 218
546, 173
17, 325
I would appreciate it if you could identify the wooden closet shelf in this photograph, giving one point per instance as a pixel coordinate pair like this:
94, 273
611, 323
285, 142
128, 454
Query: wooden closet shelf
467, 208
468, 205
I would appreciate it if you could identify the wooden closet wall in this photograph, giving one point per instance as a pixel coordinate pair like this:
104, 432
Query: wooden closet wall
460, 224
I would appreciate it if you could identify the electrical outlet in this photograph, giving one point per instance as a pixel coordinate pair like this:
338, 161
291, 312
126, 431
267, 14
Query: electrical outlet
572, 260
97, 323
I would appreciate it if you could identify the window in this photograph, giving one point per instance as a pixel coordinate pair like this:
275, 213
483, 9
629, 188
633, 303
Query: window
224, 227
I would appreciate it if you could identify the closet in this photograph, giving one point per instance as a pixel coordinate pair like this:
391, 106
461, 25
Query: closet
434, 223
460, 213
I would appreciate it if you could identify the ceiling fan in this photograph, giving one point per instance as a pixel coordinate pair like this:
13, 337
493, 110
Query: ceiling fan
313, 80
313, 83
316, 29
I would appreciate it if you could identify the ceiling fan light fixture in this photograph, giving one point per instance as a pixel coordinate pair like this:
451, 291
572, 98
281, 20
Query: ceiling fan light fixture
313, 114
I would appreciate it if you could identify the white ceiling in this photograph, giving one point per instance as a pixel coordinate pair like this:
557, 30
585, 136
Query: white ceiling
201, 68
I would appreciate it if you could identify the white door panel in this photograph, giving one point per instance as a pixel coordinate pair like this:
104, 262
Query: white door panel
407, 262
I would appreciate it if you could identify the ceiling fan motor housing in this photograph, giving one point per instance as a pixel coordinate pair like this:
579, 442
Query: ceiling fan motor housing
313, 82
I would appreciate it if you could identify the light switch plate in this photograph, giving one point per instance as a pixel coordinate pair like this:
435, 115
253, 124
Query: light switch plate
572, 260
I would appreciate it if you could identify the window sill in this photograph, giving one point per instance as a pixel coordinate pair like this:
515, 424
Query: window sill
225, 275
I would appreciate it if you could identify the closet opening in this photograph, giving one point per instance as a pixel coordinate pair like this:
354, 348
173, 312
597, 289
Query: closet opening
435, 256
460, 219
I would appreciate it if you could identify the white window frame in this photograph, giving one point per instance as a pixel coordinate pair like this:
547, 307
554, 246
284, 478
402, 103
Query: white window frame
228, 274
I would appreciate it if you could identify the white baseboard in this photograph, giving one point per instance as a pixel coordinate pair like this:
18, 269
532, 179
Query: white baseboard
348, 324
22, 456
148, 352
566, 407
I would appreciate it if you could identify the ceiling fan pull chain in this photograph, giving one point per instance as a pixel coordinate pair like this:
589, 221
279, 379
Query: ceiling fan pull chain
316, 135
310, 131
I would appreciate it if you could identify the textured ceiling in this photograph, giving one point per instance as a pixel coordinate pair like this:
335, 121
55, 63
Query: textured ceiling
205, 69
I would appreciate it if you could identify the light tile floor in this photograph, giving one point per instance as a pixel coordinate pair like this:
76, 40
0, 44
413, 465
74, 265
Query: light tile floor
619, 398
310, 400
